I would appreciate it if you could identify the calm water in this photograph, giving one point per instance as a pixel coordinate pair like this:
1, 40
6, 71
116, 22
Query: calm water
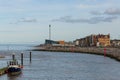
64, 66
8, 47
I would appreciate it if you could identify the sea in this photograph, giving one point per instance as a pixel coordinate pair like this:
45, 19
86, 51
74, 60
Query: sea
59, 65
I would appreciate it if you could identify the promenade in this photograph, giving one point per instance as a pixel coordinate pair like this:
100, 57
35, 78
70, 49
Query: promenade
109, 52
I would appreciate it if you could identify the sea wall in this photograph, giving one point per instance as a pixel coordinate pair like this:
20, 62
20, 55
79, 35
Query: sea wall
109, 52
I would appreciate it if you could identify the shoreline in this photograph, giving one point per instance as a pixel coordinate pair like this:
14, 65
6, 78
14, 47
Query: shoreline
113, 53
1, 56
3, 71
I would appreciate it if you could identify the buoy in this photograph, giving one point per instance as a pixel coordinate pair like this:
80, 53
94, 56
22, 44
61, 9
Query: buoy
21, 66
104, 52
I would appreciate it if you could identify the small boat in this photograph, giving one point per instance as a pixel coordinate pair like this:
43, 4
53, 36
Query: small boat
14, 68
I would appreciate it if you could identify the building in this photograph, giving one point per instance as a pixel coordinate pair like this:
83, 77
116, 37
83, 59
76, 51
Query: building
61, 43
115, 43
103, 40
93, 40
50, 42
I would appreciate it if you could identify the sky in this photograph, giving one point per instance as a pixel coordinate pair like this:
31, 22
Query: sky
27, 21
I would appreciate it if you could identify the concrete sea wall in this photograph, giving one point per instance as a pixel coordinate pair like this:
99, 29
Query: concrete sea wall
109, 52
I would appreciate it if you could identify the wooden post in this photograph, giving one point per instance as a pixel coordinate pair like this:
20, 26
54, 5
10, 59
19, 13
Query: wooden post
30, 57
13, 56
21, 59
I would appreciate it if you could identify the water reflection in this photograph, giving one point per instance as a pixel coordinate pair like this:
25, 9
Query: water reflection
16, 77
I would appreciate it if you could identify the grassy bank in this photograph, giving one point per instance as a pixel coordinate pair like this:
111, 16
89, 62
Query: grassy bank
3, 70
110, 52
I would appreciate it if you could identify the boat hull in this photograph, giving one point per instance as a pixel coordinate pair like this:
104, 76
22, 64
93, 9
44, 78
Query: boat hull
14, 71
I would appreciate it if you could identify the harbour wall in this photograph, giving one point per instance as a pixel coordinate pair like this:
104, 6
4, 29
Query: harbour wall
109, 52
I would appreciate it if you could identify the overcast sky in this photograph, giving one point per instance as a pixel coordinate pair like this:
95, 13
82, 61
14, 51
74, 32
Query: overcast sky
27, 21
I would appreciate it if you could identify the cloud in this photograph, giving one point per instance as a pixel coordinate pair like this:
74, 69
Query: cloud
24, 20
27, 20
109, 11
108, 15
112, 11
93, 20
84, 6
93, 5
96, 13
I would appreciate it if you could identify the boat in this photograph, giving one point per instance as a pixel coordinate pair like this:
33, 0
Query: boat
14, 68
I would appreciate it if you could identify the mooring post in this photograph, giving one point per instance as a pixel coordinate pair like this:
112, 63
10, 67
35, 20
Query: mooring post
30, 57
13, 56
21, 59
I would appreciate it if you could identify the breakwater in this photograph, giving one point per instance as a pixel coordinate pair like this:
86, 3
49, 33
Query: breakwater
109, 52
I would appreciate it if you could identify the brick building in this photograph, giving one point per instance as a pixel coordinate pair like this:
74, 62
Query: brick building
93, 40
